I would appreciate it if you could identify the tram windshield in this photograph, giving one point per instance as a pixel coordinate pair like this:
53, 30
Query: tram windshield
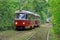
20, 16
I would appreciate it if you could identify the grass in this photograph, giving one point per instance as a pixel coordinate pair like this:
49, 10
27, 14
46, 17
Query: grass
17, 35
53, 35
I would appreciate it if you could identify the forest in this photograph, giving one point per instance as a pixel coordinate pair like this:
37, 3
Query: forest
8, 7
45, 8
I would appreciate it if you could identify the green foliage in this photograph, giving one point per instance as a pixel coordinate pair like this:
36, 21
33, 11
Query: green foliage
7, 9
55, 9
37, 6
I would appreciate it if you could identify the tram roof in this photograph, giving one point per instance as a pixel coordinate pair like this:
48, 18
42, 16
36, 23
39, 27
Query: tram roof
26, 12
23, 11
37, 15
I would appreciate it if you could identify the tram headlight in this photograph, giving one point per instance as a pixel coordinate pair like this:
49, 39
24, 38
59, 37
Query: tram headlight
23, 22
15, 22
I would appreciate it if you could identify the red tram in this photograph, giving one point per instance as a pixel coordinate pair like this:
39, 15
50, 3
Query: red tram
26, 19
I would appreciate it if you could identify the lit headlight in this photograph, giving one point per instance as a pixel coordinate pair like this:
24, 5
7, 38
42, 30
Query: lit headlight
15, 22
23, 22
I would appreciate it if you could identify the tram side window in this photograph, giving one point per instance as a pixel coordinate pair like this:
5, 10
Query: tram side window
33, 17
39, 18
17, 16
30, 16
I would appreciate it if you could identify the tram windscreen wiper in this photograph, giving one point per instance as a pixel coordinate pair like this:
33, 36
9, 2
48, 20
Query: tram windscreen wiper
22, 16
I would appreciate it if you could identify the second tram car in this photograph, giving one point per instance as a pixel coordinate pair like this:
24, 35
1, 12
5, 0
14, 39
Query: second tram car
26, 19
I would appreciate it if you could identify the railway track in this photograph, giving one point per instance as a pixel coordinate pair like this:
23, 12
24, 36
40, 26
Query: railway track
39, 33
